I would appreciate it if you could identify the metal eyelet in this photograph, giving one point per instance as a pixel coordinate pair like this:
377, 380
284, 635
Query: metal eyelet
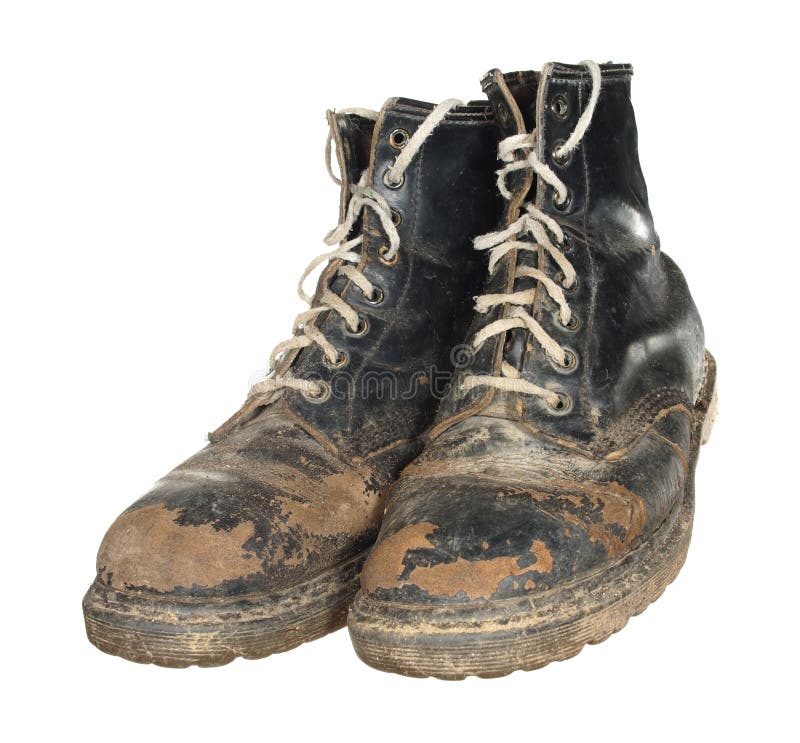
561, 159
361, 328
399, 139
560, 106
563, 406
565, 246
396, 217
569, 289
382, 251
323, 394
569, 363
573, 324
392, 184
341, 360
562, 206
377, 296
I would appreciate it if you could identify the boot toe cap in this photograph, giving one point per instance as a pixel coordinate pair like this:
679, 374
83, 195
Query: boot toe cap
148, 548
264, 510
458, 539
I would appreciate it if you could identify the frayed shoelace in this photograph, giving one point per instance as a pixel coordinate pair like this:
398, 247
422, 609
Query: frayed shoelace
540, 227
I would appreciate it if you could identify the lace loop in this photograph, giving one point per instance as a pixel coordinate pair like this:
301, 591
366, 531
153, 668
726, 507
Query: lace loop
547, 235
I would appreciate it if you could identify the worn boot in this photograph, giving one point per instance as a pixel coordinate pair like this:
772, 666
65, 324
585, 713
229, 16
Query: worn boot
554, 499
254, 545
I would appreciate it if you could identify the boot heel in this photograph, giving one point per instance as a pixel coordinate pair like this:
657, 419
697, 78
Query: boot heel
711, 417
707, 404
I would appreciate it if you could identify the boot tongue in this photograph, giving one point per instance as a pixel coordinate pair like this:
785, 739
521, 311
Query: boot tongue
518, 91
351, 131
513, 97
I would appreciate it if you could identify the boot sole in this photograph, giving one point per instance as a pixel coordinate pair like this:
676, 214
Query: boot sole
178, 634
499, 637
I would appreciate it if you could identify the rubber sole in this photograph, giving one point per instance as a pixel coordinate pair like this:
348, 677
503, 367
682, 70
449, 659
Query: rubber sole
499, 637
178, 634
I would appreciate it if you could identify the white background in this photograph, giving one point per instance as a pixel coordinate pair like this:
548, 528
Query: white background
161, 189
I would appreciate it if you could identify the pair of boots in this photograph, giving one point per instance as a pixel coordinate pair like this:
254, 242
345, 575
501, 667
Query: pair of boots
481, 438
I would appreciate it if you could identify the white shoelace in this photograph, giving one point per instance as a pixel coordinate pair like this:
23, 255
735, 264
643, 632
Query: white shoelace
540, 227
363, 197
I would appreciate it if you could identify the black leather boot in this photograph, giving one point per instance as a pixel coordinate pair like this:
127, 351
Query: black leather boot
554, 498
254, 545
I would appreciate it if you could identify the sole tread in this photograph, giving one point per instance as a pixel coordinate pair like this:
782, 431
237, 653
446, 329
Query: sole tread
176, 634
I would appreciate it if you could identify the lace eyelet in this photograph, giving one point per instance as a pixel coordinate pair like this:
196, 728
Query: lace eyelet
562, 206
560, 159
323, 394
376, 298
563, 406
396, 217
361, 328
560, 278
382, 251
568, 365
394, 185
565, 246
560, 106
573, 324
341, 360
399, 139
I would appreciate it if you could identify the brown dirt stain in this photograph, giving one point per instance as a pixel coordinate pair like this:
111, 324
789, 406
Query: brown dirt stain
577, 503
339, 503
385, 565
476, 578
318, 504
146, 547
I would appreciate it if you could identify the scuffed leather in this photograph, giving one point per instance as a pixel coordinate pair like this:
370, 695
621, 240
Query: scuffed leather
509, 499
288, 490
267, 507
493, 511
